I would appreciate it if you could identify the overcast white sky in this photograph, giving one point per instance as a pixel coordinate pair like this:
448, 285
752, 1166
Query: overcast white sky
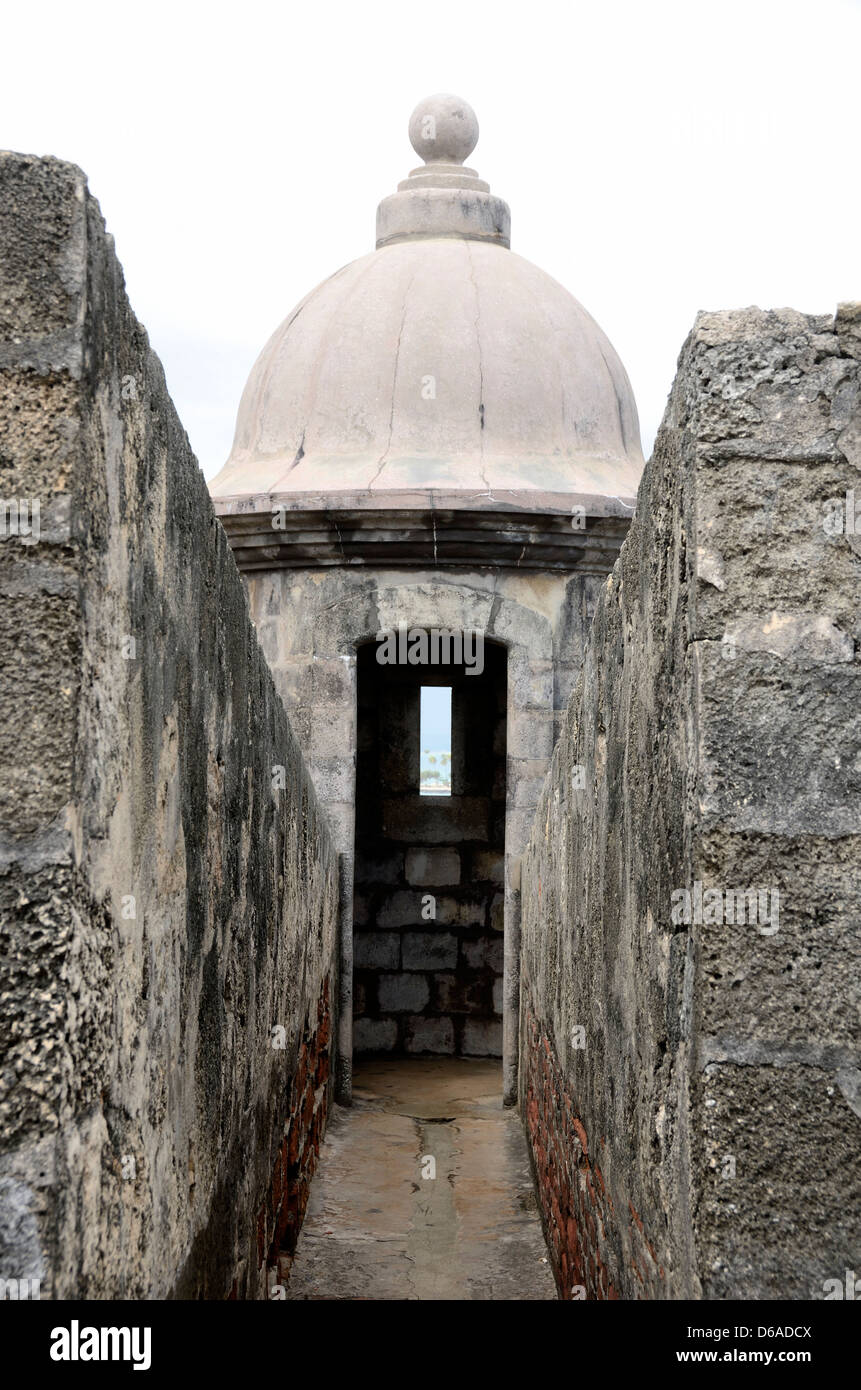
658, 158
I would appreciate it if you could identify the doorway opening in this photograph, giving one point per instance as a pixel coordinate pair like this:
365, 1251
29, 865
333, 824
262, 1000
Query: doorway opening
428, 902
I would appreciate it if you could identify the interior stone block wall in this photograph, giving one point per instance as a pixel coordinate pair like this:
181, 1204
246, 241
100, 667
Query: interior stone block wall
690, 1071
428, 905
168, 884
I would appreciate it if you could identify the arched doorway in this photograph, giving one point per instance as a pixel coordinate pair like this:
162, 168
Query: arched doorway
429, 868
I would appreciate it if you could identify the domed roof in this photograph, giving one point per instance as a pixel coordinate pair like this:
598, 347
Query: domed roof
442, 360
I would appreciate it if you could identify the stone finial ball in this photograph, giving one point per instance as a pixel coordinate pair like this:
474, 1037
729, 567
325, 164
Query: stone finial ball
443, 129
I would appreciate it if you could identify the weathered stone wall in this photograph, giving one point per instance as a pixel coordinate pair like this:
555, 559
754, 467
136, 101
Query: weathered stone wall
167, 952
690, 1065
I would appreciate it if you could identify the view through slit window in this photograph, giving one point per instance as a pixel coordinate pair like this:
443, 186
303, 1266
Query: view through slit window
435, 740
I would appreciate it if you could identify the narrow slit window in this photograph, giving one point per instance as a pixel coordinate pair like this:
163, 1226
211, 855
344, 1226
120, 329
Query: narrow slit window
435, 741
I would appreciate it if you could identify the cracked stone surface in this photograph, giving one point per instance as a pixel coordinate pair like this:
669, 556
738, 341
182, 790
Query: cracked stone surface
376, 1228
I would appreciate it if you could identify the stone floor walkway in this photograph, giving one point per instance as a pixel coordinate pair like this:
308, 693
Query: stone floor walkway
377, 1228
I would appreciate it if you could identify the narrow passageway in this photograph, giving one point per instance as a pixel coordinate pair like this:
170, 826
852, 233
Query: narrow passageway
423, 1191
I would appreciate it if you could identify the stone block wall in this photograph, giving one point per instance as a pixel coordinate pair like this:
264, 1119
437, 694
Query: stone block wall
168, 884
428, 943
691, 896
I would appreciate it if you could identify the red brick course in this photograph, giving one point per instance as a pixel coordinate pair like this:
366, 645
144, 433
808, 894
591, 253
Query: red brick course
580, 1221
309, 1093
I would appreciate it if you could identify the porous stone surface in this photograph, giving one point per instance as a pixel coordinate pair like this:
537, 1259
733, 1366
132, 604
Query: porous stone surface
689, 1084
168, 900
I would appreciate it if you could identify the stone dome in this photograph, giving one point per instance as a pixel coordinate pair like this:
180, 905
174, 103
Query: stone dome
441, 360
